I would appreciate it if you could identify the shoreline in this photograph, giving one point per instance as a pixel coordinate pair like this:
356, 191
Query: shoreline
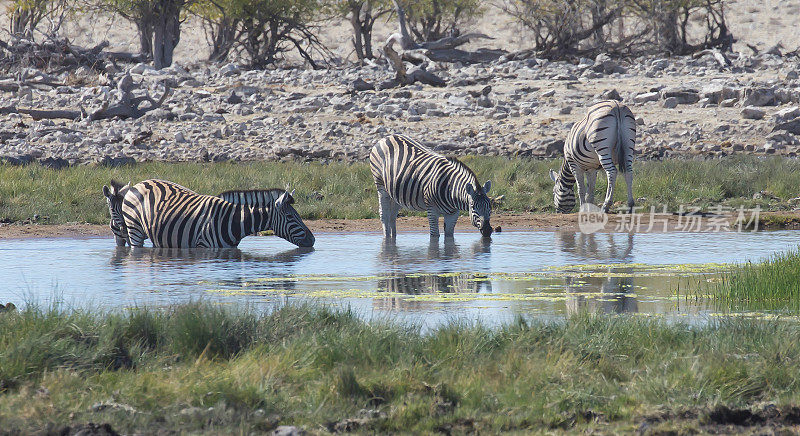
507, 222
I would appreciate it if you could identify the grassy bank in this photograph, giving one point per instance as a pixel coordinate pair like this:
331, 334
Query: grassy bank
772, 284
339, 190
200, 367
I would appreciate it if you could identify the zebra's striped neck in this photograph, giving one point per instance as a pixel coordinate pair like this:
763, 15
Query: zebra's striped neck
566, 180
251, 220
461, 176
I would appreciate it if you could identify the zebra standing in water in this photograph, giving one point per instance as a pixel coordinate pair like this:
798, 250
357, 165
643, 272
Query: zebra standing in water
408, 174
172, 216
114, 197
603, 139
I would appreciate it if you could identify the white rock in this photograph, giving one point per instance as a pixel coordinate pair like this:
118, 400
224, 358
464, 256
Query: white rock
645, 97
786, 114
670, 102
752, 113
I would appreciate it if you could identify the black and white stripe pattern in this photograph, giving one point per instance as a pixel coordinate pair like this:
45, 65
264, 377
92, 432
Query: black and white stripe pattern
114, 197
408, 174
605, 138
172, 216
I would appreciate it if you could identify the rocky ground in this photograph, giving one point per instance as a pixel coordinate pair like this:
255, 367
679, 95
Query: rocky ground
684, 107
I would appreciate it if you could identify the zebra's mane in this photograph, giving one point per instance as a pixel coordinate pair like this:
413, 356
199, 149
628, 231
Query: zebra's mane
241, 196
454, 161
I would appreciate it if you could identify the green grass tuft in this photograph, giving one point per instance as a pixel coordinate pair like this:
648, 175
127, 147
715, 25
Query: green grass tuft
204, 368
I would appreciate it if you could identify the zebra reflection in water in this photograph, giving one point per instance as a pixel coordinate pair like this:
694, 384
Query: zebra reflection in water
603, 294
396, 261
174, 260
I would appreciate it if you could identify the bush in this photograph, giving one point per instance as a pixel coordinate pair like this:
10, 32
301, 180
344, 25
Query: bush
362, 15
25, 16
261, 30
566, 28
158, 23
430, 20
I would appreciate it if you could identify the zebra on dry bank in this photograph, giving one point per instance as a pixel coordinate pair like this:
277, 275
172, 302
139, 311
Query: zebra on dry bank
603, 139
173, 216
408, 174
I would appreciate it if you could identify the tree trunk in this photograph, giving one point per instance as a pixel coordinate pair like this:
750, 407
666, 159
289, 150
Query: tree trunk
145, 29
666, 29
167, 33
358, 31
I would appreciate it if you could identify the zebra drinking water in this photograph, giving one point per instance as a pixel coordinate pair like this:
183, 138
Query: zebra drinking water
114, 197
408, 174
173, 216
603, 139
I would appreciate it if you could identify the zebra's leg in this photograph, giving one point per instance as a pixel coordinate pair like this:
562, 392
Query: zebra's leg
591, 180
387, 218
433, 221
580, 185
611, 175
395, 208
450, 224
629, 183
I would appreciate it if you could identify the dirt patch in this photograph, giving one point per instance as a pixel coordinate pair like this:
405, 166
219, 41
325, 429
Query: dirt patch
506, 222
763, 419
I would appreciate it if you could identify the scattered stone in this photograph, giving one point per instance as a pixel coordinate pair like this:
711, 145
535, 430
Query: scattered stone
565, 110
288, 430
791, 126
670, 102
758, 97
362, 85
233, 99
229, 70
681, 94
647, 97
610, 94
752, 113
786, 114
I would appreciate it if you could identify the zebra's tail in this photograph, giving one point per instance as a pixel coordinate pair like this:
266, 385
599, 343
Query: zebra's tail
626, 136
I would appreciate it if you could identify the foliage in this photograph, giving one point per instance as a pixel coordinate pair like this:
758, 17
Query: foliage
157, 22
585, 27
26, 16
261, 31
362, 15
430, 20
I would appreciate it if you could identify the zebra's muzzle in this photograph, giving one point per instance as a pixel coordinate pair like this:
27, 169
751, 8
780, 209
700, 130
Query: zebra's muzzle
486, 229
308, 241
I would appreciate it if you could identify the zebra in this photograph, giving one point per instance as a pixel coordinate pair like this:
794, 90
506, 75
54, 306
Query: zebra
114, 196
408, 174
173, 216
603, 139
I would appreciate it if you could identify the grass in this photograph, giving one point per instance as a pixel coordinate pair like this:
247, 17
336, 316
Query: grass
346, 191
772, 284
207, 368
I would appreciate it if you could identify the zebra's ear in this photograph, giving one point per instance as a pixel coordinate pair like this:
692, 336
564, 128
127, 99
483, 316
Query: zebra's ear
291, 194
280, 200
487, 186
107, 192
470, 190
553, 176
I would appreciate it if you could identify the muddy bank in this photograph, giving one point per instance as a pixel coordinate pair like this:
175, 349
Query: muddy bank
506, 222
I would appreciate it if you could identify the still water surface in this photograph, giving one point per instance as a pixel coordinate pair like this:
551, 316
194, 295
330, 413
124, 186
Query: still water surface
547, 274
